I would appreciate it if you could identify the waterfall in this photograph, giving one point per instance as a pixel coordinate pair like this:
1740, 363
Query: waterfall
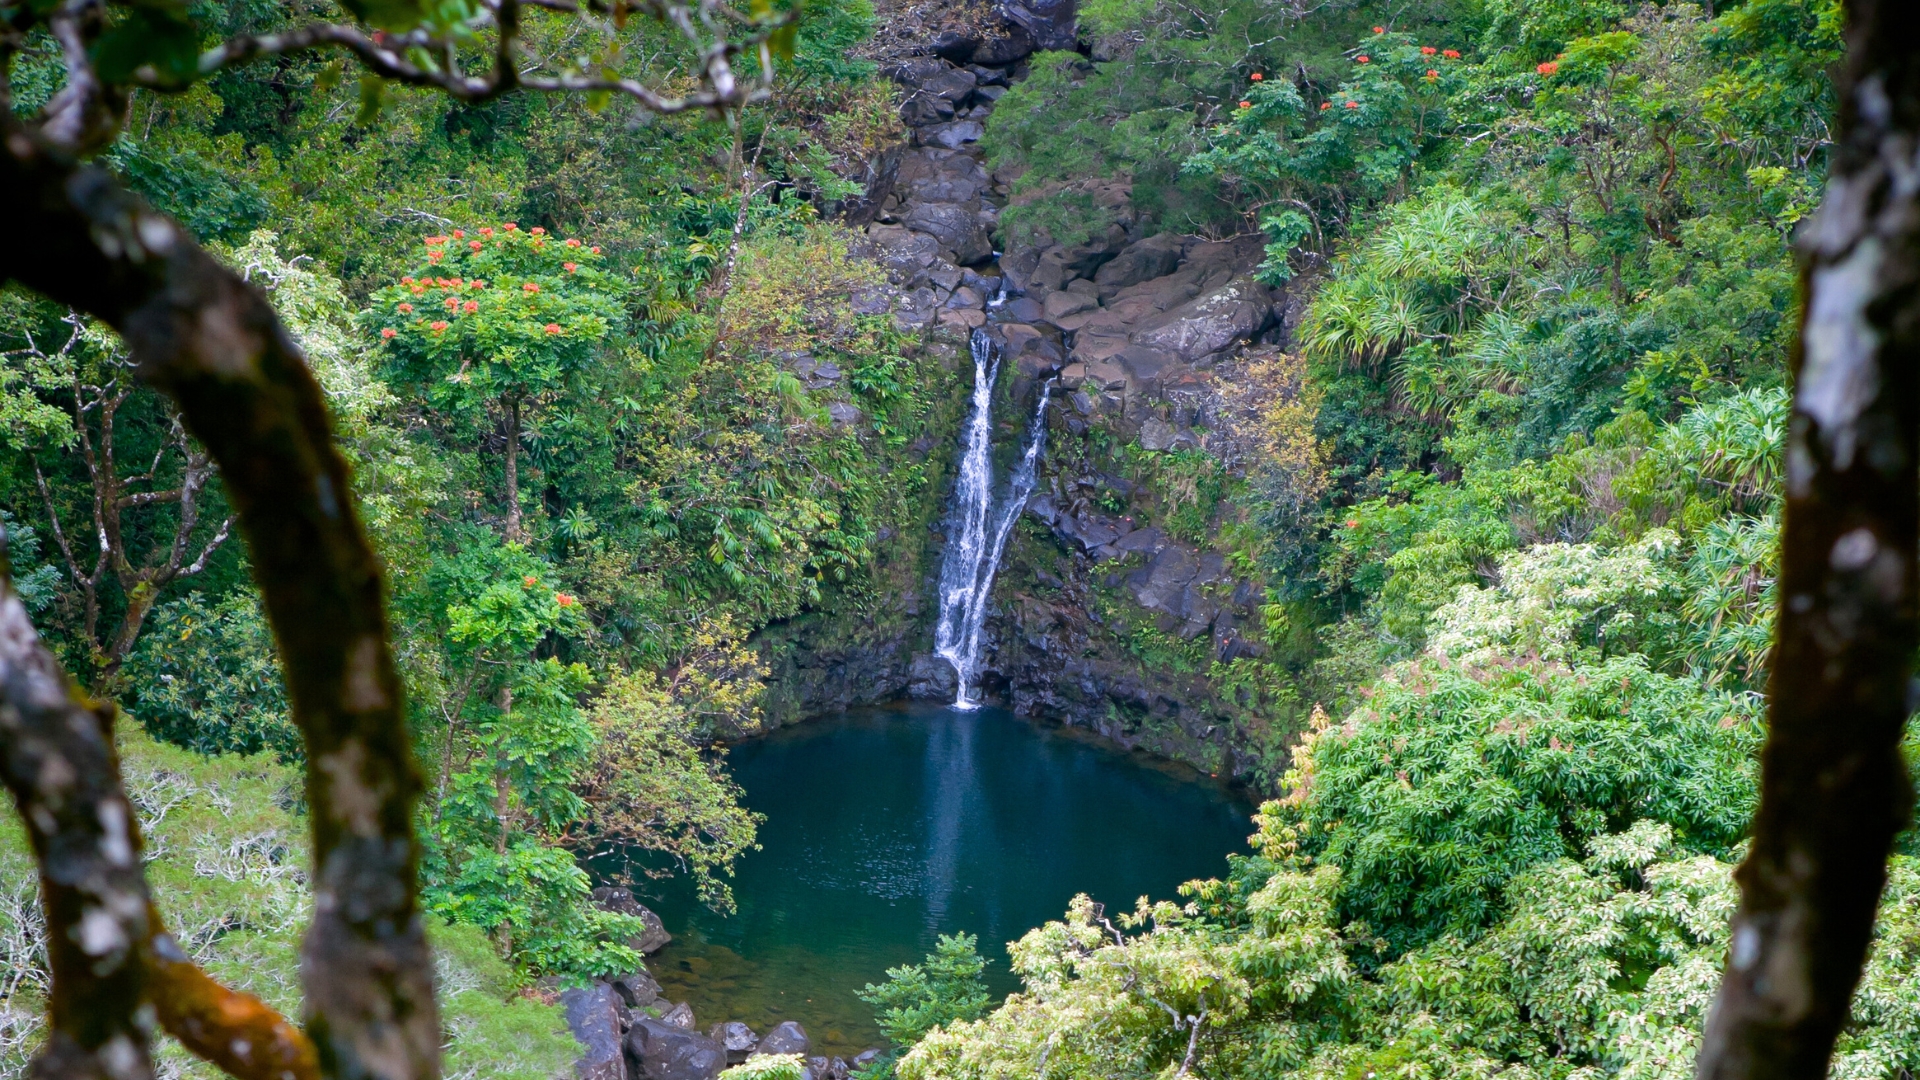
978, 530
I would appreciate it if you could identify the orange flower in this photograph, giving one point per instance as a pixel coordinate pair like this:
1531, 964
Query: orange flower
595, 249
510, 226
570, 267
478, 284
573, 243
1353, 523
531, 287
487, 231
1428, 50
553, 328
1451, 54
435, 256
538, 231
1325, 105
528, 581
1364, 59
1432, 74
474, 244
438, 325
405, 308
1547, 68
1353, 104
406, 281
1379, 29
433, 241
1256, 76
458, 235
452, 303
1246, 104
563, 599
470, 306
388, 332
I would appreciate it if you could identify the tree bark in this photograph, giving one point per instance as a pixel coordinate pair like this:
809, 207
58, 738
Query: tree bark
513, 470
1834, 790
211, 342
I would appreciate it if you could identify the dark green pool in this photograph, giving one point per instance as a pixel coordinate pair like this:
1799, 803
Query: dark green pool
886, 827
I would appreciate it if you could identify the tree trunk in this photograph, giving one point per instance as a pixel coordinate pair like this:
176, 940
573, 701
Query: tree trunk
1834, 790
513, 470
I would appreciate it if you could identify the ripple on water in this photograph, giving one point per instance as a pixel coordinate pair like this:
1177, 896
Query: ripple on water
886, 827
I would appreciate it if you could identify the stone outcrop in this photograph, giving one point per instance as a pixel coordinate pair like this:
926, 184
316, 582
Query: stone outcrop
787, 1037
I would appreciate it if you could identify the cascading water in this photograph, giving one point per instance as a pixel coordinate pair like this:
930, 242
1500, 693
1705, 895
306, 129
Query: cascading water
978, 531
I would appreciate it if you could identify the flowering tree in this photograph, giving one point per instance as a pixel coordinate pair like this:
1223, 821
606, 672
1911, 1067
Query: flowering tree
209, 340
492, 326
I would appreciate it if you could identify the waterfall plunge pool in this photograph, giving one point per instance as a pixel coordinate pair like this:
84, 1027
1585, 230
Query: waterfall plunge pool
888, 826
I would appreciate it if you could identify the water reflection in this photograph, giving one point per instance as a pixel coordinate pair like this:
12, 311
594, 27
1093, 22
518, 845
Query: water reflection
888, 827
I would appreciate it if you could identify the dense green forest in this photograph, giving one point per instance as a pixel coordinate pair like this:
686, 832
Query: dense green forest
639, 428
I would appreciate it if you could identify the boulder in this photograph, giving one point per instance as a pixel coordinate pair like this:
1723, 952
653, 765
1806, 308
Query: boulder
951, 135
1156, 256
1156, 434
920, 110
597, 1018
866, 1057
954, 84
956, 226
680, 1016
1011, 46
917, 70
653, 936
842, 413
1208, 324
788, 1037
737, 1038
665, 1052
1063, 303
1050, 23
637, 990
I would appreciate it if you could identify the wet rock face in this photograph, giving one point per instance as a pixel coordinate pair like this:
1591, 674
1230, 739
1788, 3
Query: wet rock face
653, 936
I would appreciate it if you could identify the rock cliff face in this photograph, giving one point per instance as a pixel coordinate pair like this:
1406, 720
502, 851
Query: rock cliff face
1105, 615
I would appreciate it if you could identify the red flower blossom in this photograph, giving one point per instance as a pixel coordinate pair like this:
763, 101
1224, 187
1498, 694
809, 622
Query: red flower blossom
452, 303
1246, 104
553, 328
595, 249
459, 235
1547, 68
478, 284
563, 599
474, 244
1379, 29
1353, 104
487, 231
388, 332
1451, 54
1353, 523
406, 281
1428, 50
470, 306
1325, 105
435, 256
1364, 59
570, 267
510, 226
435, 241
573, 243
538, 231
406, 308
531, 287
1256, 76
438, 325
528, 581
1432, 74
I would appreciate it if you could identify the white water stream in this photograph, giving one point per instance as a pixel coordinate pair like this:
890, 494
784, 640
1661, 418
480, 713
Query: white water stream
978, 530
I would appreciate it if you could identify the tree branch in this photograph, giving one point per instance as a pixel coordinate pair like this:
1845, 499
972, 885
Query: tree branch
212, 343
1834, 790
56, 754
